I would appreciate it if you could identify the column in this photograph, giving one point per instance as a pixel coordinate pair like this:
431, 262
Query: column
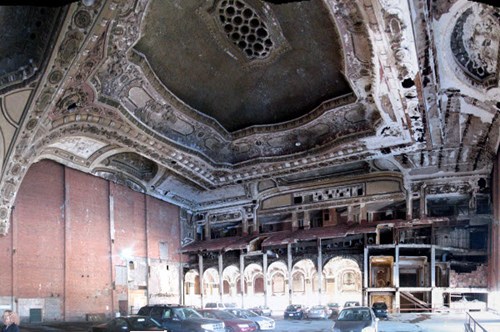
221, 280
409, 204
242, 279
366, 275
435, 293
433, 266
264, 270
320, 271
423, 205
200, 267
290, 281
396, 304
363, 213
307, 220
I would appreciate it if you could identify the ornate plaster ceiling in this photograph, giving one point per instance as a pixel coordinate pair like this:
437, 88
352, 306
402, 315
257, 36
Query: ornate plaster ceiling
207, 104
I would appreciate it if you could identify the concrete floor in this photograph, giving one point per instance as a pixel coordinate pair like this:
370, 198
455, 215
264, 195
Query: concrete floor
408, 322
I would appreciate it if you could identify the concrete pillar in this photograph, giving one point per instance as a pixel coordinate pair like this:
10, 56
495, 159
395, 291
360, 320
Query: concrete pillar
396, 267
295, 221
307, 220
409, 205
423, 205
366, 275
242, 279
200, 271
363, 213
264, 270
221, 280
207, 230
320, 272
289, 265
397, 300
350, 214
433, 266
396, 305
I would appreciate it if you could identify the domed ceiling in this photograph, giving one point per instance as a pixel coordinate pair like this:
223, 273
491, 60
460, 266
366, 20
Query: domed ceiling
245, 63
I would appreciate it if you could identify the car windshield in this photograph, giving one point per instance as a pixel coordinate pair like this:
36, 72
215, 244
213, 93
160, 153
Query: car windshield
185, 313
292, 308
355, 315
220, 314
380, 305
248, 313
230, 305
318, 307
140, 323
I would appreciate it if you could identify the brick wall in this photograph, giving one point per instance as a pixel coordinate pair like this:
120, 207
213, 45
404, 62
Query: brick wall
69, 230
476, 278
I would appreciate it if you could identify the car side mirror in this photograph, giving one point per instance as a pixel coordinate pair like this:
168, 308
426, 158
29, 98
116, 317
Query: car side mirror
377, 319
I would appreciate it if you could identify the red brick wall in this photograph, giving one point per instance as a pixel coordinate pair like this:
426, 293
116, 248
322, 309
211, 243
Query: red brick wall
38, 229
87, 265
67, 244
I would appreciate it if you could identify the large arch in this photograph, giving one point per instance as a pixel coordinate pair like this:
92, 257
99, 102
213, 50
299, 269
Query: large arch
192, 287
343, 280
230, 277
302, 274
253, 272
211, 284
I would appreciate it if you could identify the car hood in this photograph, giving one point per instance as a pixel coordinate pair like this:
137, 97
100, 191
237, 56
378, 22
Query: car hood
238, 321
261, 319
347, 325
203, 320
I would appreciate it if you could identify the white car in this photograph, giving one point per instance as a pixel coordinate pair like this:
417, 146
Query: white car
264, 323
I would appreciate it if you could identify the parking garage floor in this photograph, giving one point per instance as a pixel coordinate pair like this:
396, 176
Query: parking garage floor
406, 322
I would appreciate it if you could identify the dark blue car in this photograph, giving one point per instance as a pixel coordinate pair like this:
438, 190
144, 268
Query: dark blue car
380, 309
294, 311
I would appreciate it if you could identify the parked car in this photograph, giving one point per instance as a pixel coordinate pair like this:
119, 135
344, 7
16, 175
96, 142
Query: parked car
351, 304
334, 309
262, 310
380, 309
263, 323
177, 318
220, 305
232, 323
356, 319
129, 323
294, 311
318, 311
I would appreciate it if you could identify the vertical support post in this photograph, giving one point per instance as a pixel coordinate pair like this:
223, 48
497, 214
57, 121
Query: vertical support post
200, 270
242, 279
289, 265
320, 271
366, 275
264, 270
423, 205
409, 204
397, 299
433, 266
221, 280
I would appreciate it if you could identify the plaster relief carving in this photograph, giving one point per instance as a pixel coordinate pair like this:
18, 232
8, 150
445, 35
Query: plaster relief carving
475, 44
82, 147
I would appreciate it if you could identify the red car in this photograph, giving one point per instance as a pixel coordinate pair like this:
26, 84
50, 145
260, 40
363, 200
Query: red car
233, 323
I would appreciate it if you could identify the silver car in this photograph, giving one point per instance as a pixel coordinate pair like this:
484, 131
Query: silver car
319, 312
356, 319
263, 323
